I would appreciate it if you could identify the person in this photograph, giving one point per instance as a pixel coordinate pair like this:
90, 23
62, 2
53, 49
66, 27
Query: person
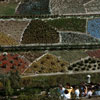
61, 90
69, 88
90, 92
83, 89
77, 92
97, 90
66, 95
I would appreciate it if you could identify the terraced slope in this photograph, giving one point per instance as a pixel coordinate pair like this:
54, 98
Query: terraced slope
39, 32
12, 62
34, 7
13, 28
66, 6
47, 64
70, 56
68, 24
68, 37
87, 64
7, 40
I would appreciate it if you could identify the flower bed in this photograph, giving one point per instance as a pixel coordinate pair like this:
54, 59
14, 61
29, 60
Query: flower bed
12, 62
13, 28
66, 6
87, 64
7, 9
47, 64
7, 40
94, 53
70, 55
93, 6
29, 7
39, 32
31, 55
94, 27
68, 37
68, 24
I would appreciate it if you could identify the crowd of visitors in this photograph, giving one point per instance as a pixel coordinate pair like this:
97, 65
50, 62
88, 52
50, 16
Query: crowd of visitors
82, 90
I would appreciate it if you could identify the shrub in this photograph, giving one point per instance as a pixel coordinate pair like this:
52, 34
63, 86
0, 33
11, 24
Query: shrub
87, 64
70, 68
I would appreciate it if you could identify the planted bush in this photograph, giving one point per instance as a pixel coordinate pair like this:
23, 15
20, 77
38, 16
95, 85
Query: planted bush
87, 64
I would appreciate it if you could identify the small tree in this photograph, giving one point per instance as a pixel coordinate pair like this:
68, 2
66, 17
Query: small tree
15, 79
8, 88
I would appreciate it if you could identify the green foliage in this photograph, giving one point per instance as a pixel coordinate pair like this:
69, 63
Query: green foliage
29, 97
47, 82
7, 9
10, 82
8, 88
54, 94
68, 24
39, 32
15, 79
24, 97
